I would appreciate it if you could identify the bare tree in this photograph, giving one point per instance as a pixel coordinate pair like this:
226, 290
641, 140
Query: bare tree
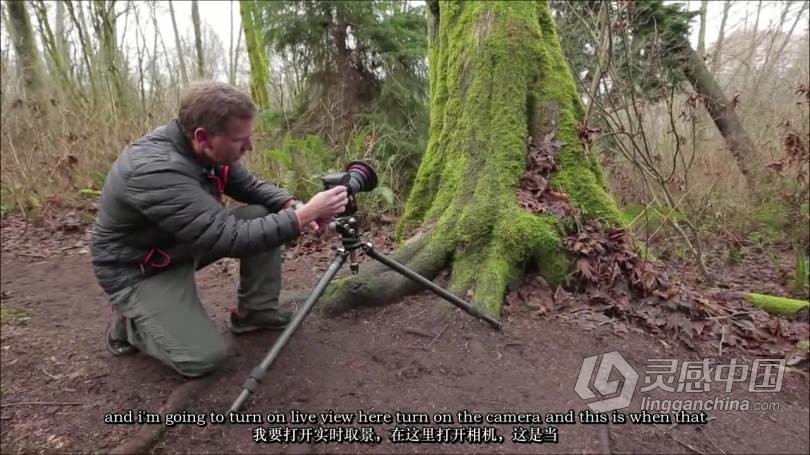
702, 31
54, 48
195, 19
233, 54
772, 58
76, 13
141, 55
178, 46
718, 46
749, 60
22, 35
104, 21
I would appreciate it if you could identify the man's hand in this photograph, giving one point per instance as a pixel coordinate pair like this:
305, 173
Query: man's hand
314, 225
323, 206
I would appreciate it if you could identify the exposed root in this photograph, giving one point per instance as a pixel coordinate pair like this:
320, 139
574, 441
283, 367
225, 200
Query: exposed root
376, 284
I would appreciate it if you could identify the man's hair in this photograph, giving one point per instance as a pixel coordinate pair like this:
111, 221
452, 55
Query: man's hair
210, 104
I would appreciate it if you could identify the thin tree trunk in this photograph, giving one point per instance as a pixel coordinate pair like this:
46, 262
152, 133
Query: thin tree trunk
141, 48
230, 50
776, 57
55, 48
179, 47
195, 19
602, 56
49, 43
155, 84
86, 44
61, 38
257, 50
722, 113
104, 19
702, 31
749, 60
25, 46
717, 54
237, 53
339, 36
763, 72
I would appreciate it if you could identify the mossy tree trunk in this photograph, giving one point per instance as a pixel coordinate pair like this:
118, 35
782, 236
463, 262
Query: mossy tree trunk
22, 35
53, 45
497, 77
257, 50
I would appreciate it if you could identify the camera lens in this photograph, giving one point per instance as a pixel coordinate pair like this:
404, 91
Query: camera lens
363, 178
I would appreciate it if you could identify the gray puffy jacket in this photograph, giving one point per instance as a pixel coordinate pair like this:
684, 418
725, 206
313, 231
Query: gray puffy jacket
161, 206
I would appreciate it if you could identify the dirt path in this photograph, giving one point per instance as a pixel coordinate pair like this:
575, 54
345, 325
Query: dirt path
421, 355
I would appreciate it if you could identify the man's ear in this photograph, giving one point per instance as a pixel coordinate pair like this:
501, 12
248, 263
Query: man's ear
201, 136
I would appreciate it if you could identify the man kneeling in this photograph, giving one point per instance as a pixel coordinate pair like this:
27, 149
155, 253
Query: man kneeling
161, 218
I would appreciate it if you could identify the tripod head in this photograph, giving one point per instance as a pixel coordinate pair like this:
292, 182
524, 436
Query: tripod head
348, 228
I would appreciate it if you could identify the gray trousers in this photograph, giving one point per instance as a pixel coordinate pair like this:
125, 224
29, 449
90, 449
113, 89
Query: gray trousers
166, 320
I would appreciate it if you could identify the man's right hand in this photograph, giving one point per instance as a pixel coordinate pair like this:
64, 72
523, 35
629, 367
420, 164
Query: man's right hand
323, 205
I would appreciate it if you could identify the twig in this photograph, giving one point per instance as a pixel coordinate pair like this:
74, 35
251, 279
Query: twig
719, 450
688, 446
42, 403
417, 332
438, 336
52, 376
32, 255
722, 338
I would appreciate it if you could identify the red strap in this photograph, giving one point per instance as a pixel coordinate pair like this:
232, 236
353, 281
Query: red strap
221, 183
167, 259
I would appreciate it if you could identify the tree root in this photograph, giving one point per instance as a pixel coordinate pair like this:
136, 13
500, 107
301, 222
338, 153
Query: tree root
376, 284
148, 435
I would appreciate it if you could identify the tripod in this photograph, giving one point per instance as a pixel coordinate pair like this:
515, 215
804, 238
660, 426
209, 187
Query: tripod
346, 226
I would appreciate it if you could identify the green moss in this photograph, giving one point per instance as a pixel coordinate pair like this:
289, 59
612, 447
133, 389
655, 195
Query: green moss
560, 110
777, 305
11, 315
801, 273
491, 286
769, 215
466, 268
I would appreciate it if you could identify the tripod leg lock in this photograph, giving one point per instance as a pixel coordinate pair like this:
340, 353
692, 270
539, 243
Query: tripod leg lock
253, 380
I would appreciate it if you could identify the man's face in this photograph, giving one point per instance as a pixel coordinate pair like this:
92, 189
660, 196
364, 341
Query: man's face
228, 146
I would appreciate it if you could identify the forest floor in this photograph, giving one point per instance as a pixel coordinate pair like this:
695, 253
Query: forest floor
418, 355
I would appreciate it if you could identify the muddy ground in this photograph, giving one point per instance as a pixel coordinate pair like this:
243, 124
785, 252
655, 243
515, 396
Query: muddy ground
419, 355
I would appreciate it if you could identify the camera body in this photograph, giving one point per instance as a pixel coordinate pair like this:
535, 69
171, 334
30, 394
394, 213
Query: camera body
358, 177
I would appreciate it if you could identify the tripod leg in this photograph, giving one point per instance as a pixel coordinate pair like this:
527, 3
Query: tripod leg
260, 371
455, 300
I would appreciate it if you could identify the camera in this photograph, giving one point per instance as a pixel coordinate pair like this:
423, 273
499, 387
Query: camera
358, 177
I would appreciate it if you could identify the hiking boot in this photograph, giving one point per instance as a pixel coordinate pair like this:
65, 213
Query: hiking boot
251, 321
115, 337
